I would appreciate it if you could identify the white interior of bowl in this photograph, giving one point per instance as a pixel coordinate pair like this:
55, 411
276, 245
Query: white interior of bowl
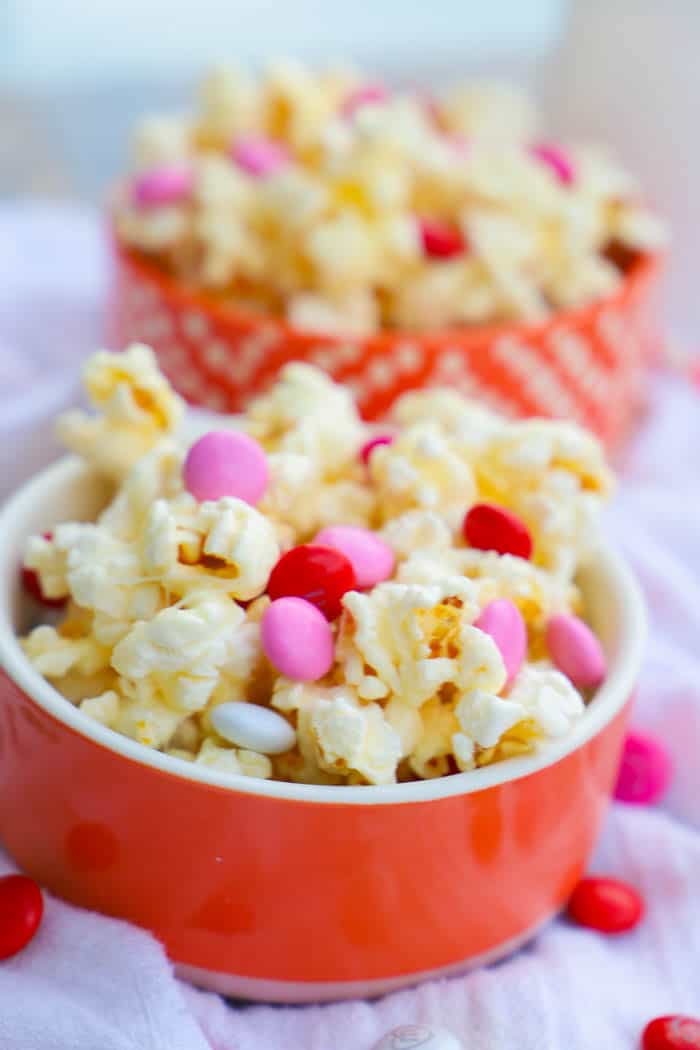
67, 492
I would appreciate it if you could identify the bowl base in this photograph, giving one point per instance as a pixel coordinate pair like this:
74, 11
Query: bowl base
255, 989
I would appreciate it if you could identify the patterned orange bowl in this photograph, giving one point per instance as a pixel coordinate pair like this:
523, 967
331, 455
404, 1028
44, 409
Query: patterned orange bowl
587, 364
294, 892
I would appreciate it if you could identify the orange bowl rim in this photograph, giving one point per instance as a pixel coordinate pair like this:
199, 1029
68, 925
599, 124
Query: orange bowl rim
608, 701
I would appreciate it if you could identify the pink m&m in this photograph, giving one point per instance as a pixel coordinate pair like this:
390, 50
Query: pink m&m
645, 770
501, 619
167, 185
367, 95
556, 160
297, 639
575, 650
259, 156
375, 442
371, 558
226, 463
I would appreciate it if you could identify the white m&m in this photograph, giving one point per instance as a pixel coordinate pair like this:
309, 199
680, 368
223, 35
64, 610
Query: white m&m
418, 1037
253, 727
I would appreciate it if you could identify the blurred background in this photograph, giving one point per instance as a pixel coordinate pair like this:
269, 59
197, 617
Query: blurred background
74, 76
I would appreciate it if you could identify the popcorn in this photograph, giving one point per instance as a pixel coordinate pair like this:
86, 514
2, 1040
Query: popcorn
166, 595
308, 414
351, 737
330, 239
411, 640
199, 636
137, 406
234, 760
421, 469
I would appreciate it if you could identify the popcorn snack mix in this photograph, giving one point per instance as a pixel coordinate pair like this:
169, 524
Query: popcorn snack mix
272, 601
344, 207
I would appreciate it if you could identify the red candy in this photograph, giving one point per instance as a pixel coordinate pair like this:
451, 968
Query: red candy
492, 528
673, 1032
21, 908
440, 239
607, 905
375, 442
321, 575
30, 582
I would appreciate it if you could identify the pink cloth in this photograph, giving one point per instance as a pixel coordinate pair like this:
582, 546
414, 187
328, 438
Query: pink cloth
90, 983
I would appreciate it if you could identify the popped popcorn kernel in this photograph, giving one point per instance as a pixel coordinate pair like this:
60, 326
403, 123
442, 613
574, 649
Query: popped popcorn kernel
136, 408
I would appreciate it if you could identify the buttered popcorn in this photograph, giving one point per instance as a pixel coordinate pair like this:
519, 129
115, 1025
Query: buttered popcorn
273, 601
346, 207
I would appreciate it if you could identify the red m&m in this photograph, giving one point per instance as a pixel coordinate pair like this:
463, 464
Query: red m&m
319, 574
440, 239
673, 1032
607, 905
492, 528
21, 909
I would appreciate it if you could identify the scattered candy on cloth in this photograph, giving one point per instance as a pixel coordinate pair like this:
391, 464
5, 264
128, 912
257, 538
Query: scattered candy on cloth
85, 981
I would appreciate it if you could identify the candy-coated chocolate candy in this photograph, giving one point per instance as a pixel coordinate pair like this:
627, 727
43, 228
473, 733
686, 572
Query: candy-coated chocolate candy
645, 770
254, 727
259, 156
297, 639
575, 650
371, 558
673, 1032
319, 574
607, 905
503, 621
31, 584
418, 1037
375, 442
366, 95
160, 186
492, 528
557, 160
441, 240
226, 463
21, 908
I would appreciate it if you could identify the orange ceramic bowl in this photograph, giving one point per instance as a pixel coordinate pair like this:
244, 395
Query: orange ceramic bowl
588, 365
292, 892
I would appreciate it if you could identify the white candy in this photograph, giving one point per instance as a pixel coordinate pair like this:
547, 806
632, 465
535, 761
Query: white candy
418, 1037
253, 727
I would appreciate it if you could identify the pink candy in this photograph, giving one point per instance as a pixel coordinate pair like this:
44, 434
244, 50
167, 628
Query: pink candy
369, 446
297, 639
259, 156
645, 770
556, 159
575, 650
501, 619
363, 96
166, 185
226, 463
371, 558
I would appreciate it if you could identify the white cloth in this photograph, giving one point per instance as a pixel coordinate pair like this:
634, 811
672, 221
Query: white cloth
87, 982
